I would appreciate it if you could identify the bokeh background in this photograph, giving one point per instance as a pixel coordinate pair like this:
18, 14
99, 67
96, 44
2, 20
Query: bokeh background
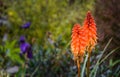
49, 34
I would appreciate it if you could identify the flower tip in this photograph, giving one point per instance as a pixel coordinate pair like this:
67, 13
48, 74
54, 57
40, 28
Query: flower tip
89, 12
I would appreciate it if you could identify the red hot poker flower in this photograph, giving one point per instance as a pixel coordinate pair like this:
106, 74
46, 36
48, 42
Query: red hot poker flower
90, 31
79, 42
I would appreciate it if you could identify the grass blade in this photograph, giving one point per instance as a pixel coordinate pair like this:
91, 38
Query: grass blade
97, 64
84, 65
108, 55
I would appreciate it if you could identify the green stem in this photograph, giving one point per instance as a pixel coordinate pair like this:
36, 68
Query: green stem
88, 64
78, 66
84, 65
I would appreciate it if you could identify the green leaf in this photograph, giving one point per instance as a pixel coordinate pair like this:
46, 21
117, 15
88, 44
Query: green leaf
94, 71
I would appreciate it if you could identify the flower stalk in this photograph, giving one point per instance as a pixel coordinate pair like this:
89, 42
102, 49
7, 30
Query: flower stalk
88, 64
78, 66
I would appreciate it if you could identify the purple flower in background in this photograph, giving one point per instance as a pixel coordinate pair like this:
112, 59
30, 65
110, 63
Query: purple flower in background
26, 25
25, 47
22, 39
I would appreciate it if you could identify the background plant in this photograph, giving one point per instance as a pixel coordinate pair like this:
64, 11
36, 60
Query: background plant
49, 35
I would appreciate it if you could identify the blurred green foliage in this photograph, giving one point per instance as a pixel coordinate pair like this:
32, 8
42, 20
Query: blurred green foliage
9, 56
54, 16
9, 52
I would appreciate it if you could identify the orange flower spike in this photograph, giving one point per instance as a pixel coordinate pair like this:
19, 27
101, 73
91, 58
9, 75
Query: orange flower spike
78, 43
91, 31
